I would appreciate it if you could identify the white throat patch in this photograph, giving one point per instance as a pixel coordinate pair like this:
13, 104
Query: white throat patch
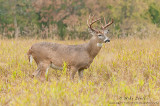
99, 44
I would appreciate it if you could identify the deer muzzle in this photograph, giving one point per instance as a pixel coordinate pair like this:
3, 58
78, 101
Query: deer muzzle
106, 40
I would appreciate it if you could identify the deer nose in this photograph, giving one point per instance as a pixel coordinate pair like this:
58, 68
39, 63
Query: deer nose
107, 40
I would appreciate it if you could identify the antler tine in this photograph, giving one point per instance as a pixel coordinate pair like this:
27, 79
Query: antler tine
89, 21
92, 21
92, 17
102, 27
106, 25
101, 22
104, 20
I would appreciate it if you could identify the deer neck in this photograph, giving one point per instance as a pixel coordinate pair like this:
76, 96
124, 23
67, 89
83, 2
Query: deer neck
93, 47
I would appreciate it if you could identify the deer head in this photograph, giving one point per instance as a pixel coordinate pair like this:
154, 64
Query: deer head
102, 33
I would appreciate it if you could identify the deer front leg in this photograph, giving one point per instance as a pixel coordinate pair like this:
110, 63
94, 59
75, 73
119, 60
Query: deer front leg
35, 73
73, 72
43, 68
80, 74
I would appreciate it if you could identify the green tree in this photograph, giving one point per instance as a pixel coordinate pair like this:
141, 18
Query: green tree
154, 12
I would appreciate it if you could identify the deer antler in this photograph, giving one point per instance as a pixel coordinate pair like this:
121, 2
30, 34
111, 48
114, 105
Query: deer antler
91, 22
106, 24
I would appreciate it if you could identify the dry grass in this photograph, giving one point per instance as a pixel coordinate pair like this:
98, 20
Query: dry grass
125, 69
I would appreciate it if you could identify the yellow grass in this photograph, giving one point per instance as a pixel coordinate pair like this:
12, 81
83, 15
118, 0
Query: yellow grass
125, 70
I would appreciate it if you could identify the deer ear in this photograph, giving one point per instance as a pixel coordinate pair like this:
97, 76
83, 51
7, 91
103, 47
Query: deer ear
106, 31
92, 32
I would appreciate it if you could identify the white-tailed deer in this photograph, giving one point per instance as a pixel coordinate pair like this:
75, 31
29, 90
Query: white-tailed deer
77, 57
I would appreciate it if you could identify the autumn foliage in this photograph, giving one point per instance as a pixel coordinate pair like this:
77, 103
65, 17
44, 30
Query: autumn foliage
66, 19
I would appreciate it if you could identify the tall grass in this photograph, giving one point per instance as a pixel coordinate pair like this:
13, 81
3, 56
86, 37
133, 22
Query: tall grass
125, 70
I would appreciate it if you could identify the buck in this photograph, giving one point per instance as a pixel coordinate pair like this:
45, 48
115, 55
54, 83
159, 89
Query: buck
77, 57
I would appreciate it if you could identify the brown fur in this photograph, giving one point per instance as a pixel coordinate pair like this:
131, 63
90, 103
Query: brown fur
78, 57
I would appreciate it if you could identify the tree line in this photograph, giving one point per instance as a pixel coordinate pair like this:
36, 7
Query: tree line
66, 19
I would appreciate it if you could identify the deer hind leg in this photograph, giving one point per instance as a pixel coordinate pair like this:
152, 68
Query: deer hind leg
80, 74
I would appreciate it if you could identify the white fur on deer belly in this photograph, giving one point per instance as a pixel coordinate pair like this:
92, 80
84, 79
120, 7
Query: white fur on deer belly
56, 67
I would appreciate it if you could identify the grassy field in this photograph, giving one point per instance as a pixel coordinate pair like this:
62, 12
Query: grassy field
125, 71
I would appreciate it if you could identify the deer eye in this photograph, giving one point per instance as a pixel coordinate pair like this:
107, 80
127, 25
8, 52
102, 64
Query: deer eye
99, 35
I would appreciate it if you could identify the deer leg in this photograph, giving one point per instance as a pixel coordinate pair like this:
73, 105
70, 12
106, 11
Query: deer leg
80, 74
73, 72
35, 73
43, 68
